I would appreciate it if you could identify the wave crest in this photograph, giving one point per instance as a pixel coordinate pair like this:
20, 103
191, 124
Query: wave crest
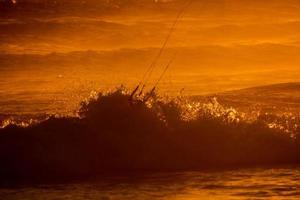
115, 132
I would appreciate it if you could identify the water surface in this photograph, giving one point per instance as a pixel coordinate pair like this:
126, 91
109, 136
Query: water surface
257, 183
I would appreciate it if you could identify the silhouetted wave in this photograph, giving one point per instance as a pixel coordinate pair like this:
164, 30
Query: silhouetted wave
114, 133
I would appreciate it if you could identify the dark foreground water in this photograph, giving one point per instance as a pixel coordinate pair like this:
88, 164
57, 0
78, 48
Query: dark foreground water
259, 183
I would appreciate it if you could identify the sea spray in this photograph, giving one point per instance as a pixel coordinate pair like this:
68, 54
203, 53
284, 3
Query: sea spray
113, 133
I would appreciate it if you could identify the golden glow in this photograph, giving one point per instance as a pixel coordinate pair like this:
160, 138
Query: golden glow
219, 46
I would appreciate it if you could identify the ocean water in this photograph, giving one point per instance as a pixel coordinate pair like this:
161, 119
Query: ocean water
46, 69
50, 61
255, 183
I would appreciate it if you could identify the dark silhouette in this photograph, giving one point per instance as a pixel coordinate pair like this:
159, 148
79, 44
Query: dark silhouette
114, 134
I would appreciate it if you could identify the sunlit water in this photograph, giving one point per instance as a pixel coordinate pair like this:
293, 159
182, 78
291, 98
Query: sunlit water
42, 83
258, 183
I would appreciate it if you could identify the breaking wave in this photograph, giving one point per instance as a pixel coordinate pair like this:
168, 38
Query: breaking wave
113, 132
